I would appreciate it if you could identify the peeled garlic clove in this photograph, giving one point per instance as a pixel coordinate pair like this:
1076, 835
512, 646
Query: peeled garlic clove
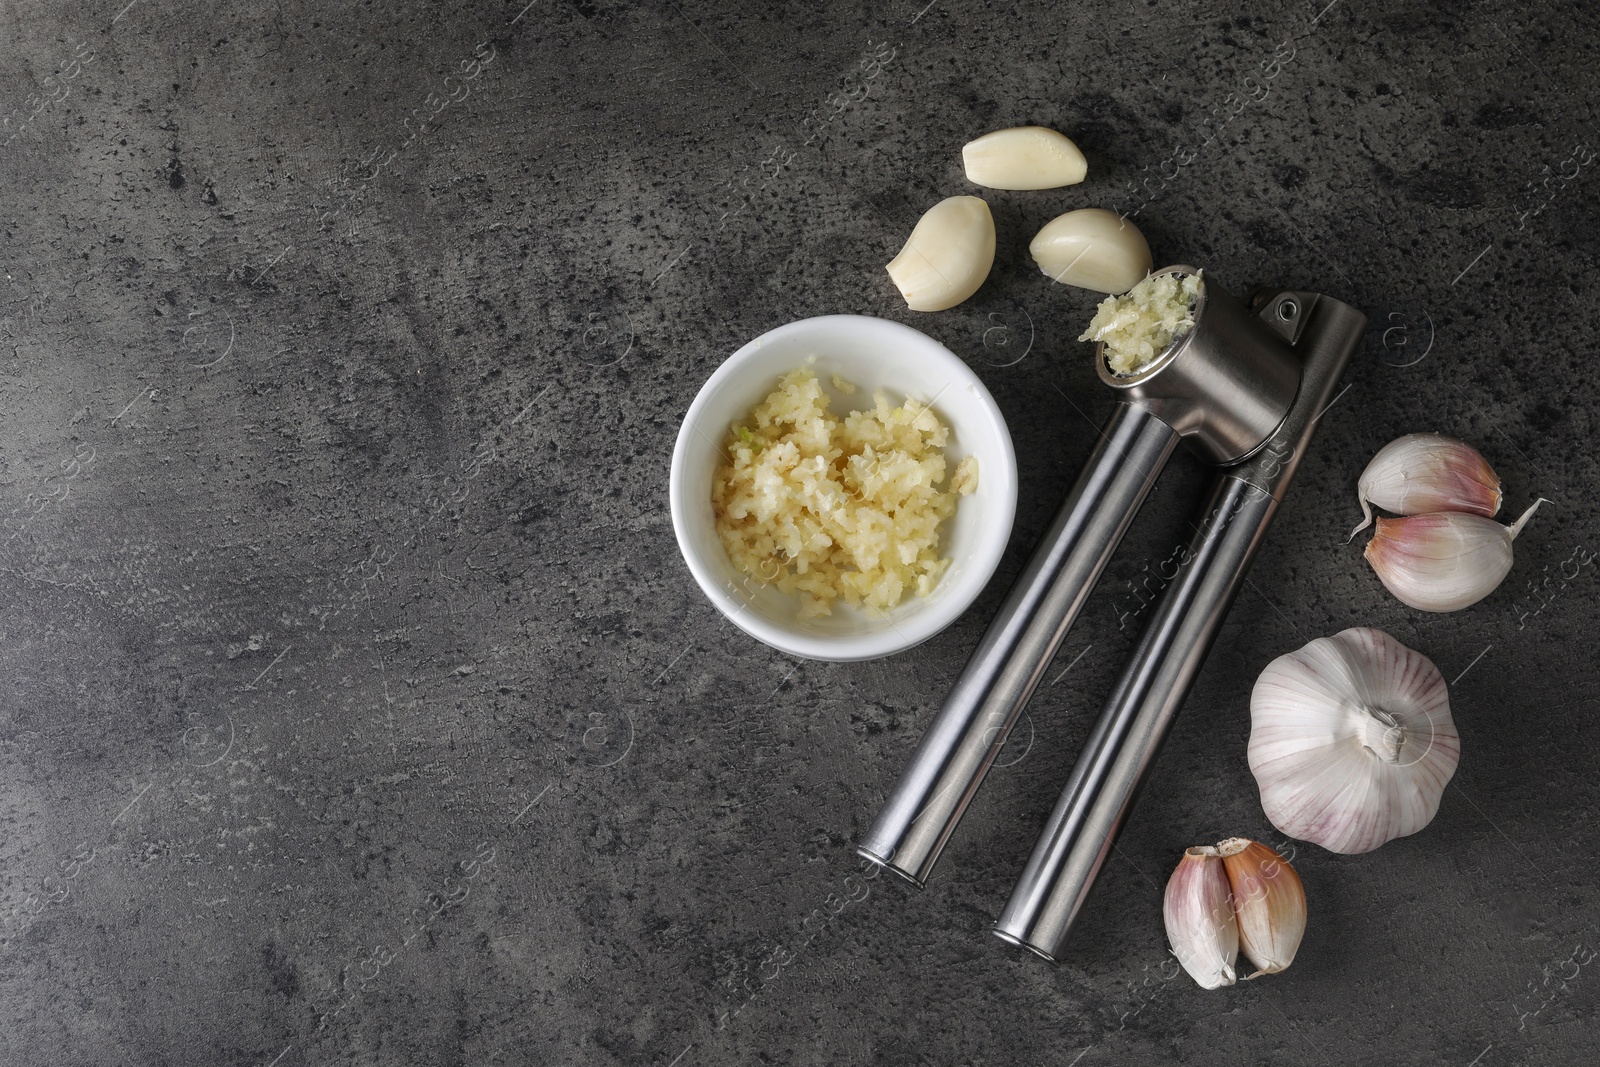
1093, 249
1445, 561
947, 256
1025, 157
1351, 741
1199, 916
1269, 901
1423, 472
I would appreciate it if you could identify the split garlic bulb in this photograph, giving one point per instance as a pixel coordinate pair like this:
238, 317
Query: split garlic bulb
1351, 740
1240, 894
948, 255
1423, 472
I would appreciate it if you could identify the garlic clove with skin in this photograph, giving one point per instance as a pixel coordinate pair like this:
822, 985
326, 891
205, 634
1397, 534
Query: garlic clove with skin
1024, 157
1423, 472
1199, 916
1268, 899
948, 255
1445, 561
1351, 741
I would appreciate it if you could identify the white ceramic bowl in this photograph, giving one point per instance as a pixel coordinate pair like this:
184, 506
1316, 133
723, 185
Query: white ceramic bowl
871, 354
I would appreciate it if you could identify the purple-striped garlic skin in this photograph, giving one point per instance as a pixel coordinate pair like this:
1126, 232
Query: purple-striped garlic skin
1444, 561
1201, 927
1423, 472
1268, 900
1351, 741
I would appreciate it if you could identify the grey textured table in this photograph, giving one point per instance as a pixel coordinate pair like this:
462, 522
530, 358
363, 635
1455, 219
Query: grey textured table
356, 707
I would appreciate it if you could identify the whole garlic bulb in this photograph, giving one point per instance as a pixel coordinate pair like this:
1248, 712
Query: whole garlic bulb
1351, 740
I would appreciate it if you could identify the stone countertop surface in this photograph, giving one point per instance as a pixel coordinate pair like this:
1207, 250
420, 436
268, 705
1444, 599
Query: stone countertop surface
357, 706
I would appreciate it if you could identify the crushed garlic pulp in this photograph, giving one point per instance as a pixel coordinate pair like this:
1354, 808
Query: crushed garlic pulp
1142, 323
832, 508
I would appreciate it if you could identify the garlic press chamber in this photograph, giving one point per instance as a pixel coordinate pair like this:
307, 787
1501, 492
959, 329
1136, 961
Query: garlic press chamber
1244, 387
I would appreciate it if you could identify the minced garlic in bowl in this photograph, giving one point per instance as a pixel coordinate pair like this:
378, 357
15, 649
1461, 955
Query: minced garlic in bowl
830, 508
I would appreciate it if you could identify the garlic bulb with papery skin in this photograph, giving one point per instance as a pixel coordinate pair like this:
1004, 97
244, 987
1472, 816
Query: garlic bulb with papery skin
1445, 561
1198, 910
1351, 740
1269, 901
948, 255
1423, 472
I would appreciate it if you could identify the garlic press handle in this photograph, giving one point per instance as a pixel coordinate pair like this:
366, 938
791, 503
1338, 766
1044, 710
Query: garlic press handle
960, 745
1128, 735
1134, 722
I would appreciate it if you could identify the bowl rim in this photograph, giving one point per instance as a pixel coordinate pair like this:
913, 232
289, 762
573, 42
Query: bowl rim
994, 530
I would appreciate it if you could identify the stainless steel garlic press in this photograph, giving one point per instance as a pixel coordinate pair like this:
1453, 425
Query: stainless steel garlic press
1245, 387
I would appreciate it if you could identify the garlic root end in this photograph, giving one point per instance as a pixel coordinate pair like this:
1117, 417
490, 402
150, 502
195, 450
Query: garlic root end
1516, 527
1366, 520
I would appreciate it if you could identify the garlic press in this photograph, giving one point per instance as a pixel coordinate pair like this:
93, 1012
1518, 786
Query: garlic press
1244, 387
